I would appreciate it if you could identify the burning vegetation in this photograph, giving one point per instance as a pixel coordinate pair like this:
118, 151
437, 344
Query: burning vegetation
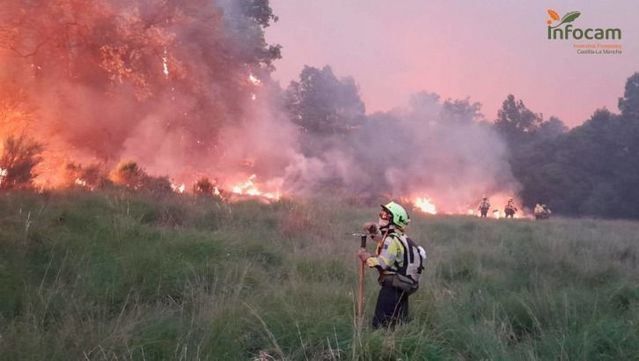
178, 97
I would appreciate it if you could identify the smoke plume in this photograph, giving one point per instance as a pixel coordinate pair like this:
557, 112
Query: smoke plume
184, 89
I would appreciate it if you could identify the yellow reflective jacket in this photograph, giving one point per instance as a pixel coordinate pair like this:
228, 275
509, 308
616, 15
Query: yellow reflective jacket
389, 256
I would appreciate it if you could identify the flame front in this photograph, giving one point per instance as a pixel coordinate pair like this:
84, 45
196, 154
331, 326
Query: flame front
178, 188
254, 80
3, 174
165, 64
249, 188
425, 205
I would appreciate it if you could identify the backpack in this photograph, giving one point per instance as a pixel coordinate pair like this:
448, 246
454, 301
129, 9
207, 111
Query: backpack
407, 276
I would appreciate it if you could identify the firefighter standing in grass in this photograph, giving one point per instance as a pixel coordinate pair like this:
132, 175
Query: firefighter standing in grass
484, 206
541, 211
392, 302
510, 209
538, 211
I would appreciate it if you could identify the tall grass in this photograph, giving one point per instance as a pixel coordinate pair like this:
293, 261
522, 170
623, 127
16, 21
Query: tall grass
120, 276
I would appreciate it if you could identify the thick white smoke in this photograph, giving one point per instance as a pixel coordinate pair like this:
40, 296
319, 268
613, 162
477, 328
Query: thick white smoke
431, 148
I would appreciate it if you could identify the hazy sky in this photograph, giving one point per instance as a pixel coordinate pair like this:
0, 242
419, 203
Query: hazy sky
478, 49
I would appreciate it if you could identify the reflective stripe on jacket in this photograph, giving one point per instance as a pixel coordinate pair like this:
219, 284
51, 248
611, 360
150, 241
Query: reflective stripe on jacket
390, 255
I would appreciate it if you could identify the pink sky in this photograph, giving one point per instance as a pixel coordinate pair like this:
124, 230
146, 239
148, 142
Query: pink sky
478, 49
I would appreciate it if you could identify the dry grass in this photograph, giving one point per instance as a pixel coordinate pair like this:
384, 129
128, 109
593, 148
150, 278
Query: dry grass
116, 276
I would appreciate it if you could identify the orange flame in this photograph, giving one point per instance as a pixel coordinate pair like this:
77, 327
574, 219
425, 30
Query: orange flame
249, 188
254, 80
178, 188
425, 205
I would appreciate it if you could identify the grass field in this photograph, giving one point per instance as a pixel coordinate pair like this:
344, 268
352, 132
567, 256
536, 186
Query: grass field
117, 276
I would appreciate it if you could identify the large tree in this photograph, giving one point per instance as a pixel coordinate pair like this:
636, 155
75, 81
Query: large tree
515, 121
322, 104
96, 70
629, 103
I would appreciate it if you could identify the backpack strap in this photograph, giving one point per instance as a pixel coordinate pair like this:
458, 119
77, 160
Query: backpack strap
411, 248
396, 267
408, 254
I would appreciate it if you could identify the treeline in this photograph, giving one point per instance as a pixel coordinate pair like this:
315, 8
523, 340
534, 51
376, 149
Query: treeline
590, 170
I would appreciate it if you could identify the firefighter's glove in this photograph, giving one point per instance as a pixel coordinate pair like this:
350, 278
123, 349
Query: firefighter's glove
371, 228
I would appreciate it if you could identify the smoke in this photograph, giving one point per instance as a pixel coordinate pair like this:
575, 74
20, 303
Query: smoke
184, 89
432, 148
166, 84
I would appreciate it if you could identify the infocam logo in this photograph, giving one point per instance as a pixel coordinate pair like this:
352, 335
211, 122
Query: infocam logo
564, 29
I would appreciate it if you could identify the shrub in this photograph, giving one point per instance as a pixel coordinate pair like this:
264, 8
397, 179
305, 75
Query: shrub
19, 158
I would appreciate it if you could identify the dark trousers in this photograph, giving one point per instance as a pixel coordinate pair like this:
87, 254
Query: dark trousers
391, 308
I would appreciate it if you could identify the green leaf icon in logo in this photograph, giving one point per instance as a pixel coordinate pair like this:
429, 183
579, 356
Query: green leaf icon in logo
568, 18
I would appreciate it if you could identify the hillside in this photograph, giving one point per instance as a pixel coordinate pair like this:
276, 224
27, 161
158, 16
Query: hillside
120, 276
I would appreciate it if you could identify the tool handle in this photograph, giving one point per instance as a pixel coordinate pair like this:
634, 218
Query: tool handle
360, 295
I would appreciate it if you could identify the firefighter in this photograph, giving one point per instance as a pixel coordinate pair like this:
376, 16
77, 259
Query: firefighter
510, 209
541, 211
538, 211
484, 206
392, 303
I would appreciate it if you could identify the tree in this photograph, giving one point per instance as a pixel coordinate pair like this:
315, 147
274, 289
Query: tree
129, 174
187, 62
629, 104
461, 111
515, 121
19, 158
551, 128
322, 104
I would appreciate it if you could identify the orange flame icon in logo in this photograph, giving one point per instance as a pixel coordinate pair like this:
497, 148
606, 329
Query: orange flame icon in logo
553, 16
567, 18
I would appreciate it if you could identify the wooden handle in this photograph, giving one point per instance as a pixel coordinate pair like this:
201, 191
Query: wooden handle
360, 295
360, 292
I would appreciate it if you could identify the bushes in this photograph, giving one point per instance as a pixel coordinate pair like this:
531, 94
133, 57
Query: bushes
20, 156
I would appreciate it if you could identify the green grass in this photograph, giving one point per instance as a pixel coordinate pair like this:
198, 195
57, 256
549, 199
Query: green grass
117, 276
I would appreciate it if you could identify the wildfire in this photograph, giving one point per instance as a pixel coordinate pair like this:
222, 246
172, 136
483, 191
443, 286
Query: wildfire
80, 182
165, 64
428, 205
248, 188
254, 80
425, 205
178, 188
